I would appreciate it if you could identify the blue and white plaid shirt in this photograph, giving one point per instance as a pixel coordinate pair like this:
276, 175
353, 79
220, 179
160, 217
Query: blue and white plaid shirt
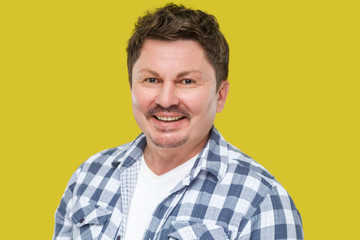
227, 195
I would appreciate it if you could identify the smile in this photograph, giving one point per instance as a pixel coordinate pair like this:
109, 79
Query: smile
168, 119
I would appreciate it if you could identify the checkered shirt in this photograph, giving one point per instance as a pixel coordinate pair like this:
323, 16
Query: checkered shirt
227, 195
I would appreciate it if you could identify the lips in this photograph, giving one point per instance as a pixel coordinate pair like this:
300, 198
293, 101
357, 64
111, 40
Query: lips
168, 119
165, 122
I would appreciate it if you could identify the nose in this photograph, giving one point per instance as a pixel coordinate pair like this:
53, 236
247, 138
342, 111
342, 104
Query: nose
167, 95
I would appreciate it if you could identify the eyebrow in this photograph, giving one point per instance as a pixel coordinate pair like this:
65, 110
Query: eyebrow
182, 74
147, 70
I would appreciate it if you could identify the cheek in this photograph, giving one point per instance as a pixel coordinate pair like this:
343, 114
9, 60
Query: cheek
140, 99
200, 103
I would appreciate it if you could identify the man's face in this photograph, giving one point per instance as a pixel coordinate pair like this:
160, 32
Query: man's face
174, 93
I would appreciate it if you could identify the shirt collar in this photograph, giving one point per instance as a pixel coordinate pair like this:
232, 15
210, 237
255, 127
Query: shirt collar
212, 158
130, 153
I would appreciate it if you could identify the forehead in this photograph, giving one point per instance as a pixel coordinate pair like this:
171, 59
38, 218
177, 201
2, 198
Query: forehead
173, 55
150, 44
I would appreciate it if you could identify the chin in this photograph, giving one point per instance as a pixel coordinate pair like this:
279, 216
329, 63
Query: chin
168, 142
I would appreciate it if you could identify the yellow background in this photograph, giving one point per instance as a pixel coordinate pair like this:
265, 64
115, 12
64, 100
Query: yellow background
293, 104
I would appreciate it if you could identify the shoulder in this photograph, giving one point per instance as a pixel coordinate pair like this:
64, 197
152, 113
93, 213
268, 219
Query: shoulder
98, 165
269, 199
240, 164
257, 184
105, 158
236, 168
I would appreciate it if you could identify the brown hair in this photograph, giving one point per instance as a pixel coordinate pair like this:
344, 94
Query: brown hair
174, 22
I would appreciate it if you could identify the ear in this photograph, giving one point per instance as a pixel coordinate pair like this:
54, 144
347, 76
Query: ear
222, 95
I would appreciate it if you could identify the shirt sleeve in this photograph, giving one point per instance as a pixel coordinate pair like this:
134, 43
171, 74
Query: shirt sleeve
275, 218
63, 223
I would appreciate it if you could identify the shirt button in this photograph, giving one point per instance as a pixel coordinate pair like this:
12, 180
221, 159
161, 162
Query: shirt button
81, 220
118, 238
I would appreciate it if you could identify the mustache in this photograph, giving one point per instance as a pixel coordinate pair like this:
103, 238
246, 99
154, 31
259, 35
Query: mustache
172, 109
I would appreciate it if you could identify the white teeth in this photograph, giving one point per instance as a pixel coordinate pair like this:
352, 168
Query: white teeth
168, 119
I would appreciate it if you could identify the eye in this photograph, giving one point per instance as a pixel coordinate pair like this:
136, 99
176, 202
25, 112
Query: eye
151, 80
187, 81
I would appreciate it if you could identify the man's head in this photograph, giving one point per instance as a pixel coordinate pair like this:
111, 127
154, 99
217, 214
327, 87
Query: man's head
174, 22
178, 78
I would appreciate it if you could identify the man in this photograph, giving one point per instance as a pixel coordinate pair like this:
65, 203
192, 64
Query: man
179, 179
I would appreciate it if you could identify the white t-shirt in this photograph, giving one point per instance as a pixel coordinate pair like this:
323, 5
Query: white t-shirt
150, 191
